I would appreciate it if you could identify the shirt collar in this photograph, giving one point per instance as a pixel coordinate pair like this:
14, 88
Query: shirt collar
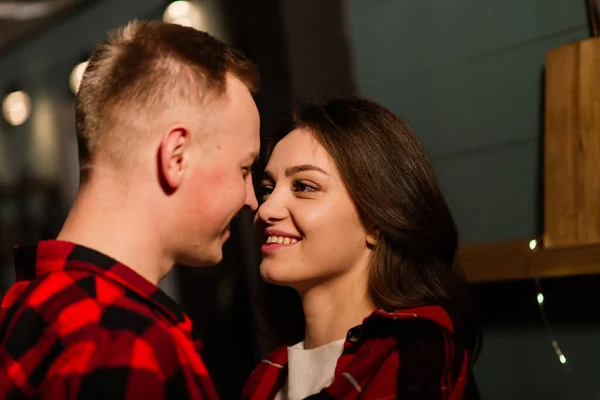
434, 313
55, 255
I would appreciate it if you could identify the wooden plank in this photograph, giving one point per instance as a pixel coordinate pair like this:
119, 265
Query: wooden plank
514, 260
572, 145
499, 261
560, 262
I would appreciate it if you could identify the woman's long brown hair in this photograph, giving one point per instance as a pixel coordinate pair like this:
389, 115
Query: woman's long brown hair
393, 184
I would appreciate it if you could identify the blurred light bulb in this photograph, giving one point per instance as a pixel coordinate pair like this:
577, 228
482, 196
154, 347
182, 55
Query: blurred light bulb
16, 108
178, 9
183, 21
76, 76
533, 244
183, 13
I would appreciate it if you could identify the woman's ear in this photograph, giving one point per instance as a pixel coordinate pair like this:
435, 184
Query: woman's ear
372, 236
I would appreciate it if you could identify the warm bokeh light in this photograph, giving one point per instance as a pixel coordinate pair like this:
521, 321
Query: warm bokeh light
183, 13
16, 108
76, 75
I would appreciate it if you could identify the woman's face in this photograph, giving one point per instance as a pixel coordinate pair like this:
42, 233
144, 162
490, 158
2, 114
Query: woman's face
310, 228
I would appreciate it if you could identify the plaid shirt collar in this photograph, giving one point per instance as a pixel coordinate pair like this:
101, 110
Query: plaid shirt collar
55, 255
435, 314
269, 376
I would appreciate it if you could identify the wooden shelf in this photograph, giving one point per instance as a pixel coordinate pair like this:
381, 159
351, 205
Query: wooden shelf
514, 260
571, 179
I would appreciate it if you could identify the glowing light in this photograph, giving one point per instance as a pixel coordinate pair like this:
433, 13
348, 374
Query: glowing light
45, 138
183, 13
16, 108
533, 244
183, 21
178, 9
76, 75
562, 359
540, 298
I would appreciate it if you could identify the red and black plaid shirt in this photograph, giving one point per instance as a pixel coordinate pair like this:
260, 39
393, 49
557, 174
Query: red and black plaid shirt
412, 354
78, 324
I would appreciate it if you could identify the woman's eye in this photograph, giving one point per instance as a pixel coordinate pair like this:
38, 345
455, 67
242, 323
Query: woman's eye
264, 191
303, 187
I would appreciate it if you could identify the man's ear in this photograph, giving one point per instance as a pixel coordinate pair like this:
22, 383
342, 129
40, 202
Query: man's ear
173, 156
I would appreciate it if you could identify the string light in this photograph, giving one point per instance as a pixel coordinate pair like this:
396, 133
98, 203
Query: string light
533, 244
540, 299
563, 359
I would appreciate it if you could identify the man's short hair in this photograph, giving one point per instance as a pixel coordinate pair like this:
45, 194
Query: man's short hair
142, 68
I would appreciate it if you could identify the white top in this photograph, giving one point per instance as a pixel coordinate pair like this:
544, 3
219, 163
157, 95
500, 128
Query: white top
309, 371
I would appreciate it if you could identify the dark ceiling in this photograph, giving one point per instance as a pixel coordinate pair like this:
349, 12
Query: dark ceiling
23, 19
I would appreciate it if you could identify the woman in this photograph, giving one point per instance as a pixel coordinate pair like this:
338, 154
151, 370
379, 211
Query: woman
353, 220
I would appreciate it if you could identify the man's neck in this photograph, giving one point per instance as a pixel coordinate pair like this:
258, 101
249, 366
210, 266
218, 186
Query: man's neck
116, 228
331, 310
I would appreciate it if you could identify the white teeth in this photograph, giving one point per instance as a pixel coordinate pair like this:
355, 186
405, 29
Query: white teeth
280, 240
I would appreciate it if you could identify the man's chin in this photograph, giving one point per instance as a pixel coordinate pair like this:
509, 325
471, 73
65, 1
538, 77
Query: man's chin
206, 260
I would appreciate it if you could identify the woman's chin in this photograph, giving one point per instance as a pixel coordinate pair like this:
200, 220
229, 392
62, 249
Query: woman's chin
276, 276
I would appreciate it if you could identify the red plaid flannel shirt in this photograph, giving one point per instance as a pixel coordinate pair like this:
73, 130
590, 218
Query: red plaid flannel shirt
415, 353
78, 324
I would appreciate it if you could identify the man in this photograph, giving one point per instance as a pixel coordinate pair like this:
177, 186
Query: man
167, 131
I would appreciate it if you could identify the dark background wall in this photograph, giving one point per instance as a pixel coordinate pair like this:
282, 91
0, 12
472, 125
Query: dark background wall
468, 76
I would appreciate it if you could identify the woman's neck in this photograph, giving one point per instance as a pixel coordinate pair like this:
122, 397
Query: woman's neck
332, 308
